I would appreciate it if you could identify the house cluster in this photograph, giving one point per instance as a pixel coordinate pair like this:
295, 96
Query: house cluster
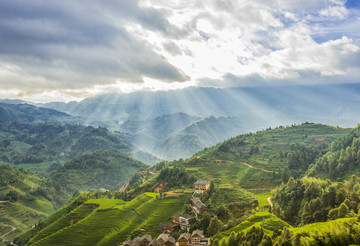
179, 221
196, 238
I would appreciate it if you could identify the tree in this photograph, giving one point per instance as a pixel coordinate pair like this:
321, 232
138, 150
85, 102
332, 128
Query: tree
266, 241
343, 210
223, 213
224, 242
214, 226
204, 221
12, 196
215, 243
232, 239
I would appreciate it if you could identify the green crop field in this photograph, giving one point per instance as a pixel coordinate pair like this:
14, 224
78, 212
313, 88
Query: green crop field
111, 222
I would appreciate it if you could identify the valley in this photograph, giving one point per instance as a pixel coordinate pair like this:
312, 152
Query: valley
86, 182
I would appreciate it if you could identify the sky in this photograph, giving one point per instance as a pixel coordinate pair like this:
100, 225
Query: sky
69, 50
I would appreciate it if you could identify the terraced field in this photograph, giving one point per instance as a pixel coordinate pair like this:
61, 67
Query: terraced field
109, 221
266, 220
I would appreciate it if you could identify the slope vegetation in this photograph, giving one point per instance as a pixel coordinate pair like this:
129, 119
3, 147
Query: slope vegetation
25, 199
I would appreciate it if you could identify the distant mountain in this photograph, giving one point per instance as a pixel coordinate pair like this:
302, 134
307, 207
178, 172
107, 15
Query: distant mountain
53, 143
330, 104
26, 113
204, 116
199, 135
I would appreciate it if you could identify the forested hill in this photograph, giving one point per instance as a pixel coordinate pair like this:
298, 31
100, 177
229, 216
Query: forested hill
342, 160
98, 170
49, 142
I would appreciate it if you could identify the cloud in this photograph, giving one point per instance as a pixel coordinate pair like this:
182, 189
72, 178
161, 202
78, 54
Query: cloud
88, 47
79, 44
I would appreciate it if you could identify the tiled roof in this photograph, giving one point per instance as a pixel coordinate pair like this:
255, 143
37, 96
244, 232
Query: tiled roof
197, 233
202, 182
184, 237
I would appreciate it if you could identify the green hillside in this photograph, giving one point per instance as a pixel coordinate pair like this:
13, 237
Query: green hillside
264, 159
101, 169
25, 199
109, 221
343, 159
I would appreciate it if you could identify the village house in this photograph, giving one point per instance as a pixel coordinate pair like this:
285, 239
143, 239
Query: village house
198, 239
176, 217
169, 227
197, 205
184, 239
165, 240
184, 220
202, 185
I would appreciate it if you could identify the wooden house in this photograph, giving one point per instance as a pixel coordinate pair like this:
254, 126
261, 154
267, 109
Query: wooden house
184, 239
169, 227
202, 185
197, 205
165, 240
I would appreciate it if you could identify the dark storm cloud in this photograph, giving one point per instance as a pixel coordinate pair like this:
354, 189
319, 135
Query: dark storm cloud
80, 43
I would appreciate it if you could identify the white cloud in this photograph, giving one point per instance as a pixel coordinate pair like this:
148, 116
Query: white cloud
339, 12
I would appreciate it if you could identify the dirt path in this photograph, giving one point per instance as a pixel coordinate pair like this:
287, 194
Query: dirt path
123, 188
271, 204
13, 229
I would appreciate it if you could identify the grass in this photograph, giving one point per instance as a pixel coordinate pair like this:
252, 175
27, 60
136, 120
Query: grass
262, 199
113, 221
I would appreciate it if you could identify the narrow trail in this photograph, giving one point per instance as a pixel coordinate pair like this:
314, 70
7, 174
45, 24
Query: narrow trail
247, 164
13, 229
269, 200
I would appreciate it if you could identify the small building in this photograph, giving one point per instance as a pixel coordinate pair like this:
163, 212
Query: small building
176, 217
185, 221
145, 240
169, 227
197, 205
184, 239
165, 240
202, 185
198, 239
